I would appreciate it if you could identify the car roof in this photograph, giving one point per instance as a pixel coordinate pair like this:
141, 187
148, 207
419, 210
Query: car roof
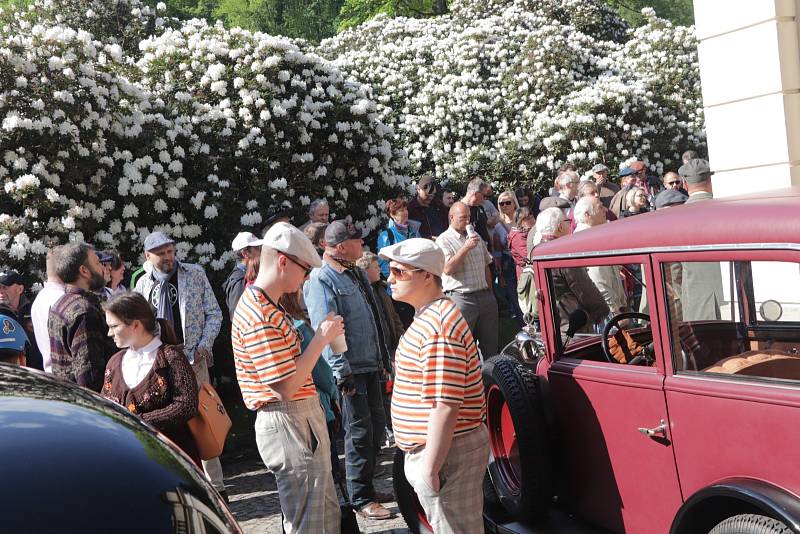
757, 218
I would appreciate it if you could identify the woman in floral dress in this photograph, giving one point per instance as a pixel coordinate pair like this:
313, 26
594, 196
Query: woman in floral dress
150, 376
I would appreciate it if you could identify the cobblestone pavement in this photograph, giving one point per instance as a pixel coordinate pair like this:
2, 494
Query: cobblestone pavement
254, 497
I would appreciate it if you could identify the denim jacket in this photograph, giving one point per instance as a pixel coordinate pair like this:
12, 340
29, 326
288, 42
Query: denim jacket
201, 316
328, 290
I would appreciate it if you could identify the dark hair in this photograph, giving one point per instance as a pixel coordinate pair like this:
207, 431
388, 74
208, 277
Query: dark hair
252, 264
11, 355
130, 306
395, 205
68, 259
115, 261
168, 335
290, 302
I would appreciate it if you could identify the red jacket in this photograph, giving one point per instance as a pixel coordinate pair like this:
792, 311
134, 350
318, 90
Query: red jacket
517, 244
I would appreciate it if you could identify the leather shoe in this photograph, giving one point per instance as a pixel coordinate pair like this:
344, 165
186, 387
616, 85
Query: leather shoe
375, 511
382, 497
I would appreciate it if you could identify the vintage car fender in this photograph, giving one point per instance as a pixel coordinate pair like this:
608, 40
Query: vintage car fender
733, 496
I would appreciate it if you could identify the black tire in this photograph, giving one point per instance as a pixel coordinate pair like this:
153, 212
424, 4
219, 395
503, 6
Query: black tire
520, 466
751, 524
407, 501
489, 492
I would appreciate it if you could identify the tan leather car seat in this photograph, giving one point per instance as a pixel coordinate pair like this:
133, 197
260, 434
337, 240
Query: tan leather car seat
764, 363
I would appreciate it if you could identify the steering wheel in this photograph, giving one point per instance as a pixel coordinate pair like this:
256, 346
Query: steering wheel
645, 355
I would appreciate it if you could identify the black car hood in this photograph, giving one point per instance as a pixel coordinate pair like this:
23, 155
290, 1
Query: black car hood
72, 461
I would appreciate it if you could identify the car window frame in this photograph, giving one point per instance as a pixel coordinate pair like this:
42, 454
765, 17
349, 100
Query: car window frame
551, 332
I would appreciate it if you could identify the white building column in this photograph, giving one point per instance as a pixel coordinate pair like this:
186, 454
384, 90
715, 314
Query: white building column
749, 55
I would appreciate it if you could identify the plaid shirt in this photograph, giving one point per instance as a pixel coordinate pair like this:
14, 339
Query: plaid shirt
79, 342
471, 274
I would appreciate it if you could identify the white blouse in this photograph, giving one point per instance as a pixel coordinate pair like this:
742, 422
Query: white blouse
137, 363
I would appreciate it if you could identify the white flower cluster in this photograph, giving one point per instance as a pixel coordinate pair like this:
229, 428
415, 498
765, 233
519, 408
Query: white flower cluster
512, 89
196, 130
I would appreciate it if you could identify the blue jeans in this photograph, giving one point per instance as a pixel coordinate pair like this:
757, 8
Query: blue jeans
509, 274
364, 425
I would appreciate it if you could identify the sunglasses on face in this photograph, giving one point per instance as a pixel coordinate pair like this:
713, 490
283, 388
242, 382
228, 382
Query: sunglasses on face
504, 203
402, 274
307, 270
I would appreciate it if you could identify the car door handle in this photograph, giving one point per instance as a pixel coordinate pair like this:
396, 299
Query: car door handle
652, 432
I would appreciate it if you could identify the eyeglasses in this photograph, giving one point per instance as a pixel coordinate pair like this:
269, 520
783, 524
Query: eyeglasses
307, 270
402, 274
505, 203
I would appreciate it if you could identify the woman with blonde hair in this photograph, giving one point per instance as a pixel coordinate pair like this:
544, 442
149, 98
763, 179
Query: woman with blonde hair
636, 200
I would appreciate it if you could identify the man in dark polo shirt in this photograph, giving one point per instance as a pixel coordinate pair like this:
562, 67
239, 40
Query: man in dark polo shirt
79, 342
14, 303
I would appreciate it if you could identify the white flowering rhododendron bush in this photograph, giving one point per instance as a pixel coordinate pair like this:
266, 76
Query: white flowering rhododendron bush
197, 130
116, 121
511, 89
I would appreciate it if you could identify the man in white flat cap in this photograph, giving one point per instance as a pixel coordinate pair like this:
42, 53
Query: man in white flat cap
247, 248
275, 378
438, 403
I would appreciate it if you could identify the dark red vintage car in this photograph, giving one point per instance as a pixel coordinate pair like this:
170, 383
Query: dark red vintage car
679, 411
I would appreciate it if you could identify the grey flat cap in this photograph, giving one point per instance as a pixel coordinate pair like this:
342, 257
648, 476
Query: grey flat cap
599, 168
695, 171
670, 197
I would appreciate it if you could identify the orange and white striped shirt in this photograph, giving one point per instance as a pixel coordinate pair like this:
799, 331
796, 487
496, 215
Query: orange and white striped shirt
436, 360
264, 349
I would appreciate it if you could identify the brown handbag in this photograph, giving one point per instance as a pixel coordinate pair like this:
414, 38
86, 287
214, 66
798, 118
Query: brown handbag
211, 424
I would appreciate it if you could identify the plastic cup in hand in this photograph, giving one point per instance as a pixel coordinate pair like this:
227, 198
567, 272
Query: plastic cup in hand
339, 345
471, 231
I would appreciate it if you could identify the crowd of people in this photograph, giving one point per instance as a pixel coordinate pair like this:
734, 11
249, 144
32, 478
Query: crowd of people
328, 337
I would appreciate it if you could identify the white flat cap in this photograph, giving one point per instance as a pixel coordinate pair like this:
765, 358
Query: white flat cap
245, 239
418, 252
285, 238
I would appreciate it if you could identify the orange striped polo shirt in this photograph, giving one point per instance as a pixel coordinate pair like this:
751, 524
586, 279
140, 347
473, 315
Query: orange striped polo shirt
264, 349
436, 360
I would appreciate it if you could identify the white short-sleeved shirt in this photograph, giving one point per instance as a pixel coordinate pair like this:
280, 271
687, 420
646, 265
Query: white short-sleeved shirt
471, 274
40, 311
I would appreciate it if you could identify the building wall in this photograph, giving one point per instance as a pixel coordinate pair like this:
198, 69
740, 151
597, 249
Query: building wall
749, 55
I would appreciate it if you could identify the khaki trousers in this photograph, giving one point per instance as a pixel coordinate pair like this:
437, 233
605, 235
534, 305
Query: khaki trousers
292, 438
457, 507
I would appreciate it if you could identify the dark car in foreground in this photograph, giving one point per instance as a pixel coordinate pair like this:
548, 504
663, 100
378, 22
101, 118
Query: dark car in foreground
72, 461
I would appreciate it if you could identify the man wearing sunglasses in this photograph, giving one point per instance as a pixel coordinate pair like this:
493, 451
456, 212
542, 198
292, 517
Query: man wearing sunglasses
274, 374
673, 181
438, 403
341, 287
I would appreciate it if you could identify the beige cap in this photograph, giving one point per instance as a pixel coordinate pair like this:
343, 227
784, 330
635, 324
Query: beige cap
285, 238
418, 252
245, 239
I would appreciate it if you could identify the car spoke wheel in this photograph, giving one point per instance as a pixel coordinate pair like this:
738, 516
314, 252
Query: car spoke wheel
751, 524
407, 501
519, 468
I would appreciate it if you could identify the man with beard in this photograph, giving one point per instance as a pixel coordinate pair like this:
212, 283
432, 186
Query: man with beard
79, 342
181, 294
